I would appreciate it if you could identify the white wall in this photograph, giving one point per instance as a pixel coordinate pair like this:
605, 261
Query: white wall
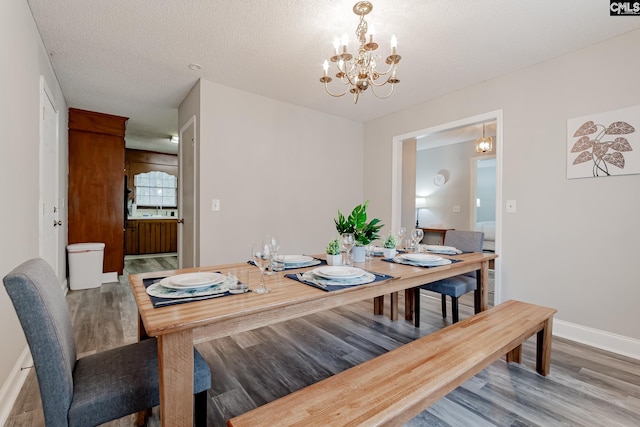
455, 160
24, 60
277, 169
573, 244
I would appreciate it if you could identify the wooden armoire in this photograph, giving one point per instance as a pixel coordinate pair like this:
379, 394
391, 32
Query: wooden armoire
96, 183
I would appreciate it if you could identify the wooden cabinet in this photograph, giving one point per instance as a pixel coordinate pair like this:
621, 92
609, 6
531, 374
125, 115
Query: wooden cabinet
151, 236
96, 183
131, 238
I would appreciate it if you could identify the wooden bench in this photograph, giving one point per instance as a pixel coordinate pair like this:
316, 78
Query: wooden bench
396, 386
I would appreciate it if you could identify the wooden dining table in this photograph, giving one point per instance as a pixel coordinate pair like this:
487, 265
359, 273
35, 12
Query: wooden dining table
178, 327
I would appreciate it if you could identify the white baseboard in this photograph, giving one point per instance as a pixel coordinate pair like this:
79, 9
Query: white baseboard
109, 277
13, 384
596, 338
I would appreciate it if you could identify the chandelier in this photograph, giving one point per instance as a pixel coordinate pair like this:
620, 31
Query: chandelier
484, 144
358, 72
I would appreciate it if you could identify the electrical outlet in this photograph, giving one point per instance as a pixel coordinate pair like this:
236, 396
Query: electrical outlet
215, 205
456, 208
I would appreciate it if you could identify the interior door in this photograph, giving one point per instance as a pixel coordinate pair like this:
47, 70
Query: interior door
49, 211
187, 225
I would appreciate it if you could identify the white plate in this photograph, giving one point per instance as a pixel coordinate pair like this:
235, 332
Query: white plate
359, 280
421, 257
193, 280
441, 249
436, 263
294, 259
157, 290
338, 272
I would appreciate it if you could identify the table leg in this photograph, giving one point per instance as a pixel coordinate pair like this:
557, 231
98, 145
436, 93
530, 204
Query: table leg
483, 290
394, 306
378, 305
408, 304
175, 365
515, 355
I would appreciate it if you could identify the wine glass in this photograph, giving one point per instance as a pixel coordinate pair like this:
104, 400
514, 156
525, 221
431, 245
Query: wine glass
348, 240
262, 255
400, 233
416, 236
275, 246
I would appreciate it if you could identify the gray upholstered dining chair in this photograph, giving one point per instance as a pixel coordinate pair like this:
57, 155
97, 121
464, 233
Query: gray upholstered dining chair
93, 389
455, 287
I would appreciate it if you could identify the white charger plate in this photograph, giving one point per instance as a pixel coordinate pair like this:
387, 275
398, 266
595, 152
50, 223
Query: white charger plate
436, 263
421, 257
339, 272
157, 290
441, 249
193, 280
359, 280
294, 259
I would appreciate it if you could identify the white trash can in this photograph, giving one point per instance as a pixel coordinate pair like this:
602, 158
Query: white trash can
85, 265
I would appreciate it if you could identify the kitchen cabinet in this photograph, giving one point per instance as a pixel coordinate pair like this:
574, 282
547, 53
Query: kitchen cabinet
151, 236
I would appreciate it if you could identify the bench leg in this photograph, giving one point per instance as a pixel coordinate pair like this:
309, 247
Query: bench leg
515, 355
378, 305
543, 350
408, 304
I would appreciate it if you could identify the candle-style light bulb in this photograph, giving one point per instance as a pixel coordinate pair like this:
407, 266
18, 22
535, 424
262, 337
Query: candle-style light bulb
325, 67
344, 41
394, 43
336, 45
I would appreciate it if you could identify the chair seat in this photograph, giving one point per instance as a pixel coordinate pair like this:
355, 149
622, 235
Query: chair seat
121, 381
454, 286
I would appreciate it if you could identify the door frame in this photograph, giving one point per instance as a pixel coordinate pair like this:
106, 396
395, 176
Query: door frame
45, 182
181, 207
396, 176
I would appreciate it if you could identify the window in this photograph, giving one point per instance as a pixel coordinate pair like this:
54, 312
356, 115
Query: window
157, 189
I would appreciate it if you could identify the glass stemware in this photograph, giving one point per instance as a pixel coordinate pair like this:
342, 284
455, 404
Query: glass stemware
400, 233
262, 255
416, 236
275, 246
348, 240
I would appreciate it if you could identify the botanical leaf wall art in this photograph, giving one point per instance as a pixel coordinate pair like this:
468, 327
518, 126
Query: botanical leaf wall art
604, 144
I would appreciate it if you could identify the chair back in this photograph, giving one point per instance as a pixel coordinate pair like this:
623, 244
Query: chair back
466, 241
42, 310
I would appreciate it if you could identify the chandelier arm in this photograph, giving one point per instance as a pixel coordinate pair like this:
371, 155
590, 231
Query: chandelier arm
326, 87
383, 97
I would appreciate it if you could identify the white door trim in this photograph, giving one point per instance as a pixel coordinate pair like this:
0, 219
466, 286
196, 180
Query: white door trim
190, 123
46, 183
396, 177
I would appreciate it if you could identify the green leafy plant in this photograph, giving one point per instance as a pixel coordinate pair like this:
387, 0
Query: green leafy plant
356, 223
333, 248
390, 242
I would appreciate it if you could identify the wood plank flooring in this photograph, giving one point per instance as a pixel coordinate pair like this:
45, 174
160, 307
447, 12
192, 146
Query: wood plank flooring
586, 387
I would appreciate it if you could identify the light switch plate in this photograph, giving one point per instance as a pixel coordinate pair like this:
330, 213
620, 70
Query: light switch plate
511, 206
215, 205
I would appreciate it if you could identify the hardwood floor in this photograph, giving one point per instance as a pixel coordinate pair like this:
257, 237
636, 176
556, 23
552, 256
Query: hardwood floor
586, 387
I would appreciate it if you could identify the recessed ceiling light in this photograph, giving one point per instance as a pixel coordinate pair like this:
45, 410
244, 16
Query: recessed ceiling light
195, 67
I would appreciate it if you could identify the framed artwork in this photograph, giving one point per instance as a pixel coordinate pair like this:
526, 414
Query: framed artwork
604, 144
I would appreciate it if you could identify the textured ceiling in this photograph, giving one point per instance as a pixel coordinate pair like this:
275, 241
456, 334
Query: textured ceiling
130, 58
